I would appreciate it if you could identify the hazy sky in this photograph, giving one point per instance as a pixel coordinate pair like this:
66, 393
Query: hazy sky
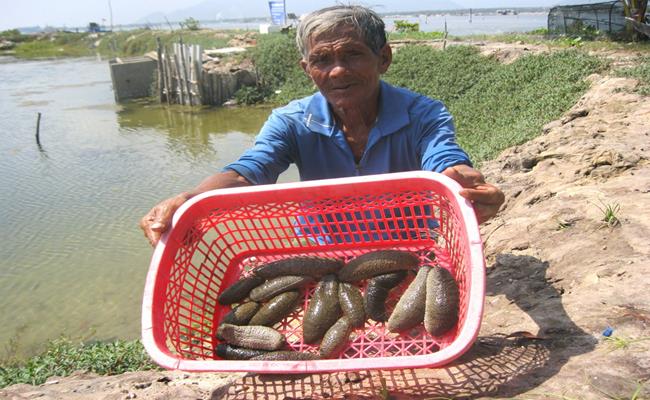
59, 13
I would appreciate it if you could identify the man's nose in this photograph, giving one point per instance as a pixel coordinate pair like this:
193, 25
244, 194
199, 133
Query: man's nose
339, 67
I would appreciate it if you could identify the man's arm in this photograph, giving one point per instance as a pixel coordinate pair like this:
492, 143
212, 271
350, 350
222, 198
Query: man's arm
441, 153
159, 218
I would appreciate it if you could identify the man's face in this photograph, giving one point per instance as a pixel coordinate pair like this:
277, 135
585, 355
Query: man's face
344, 68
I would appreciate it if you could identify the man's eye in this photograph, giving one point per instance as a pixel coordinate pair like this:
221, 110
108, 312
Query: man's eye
319, 60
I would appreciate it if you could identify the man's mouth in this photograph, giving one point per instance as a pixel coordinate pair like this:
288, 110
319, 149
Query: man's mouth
342, 87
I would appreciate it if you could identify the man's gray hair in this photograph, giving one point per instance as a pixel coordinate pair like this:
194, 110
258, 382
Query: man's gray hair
369, 25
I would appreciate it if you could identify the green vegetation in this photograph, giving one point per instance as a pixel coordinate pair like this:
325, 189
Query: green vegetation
641, 72
402, 26
60, 45
623, 343
444, 75
115, 44
495, 106
63, 356
511, 105
610, 213
191, 24
281, 79
13, 35
135, 43
418, 35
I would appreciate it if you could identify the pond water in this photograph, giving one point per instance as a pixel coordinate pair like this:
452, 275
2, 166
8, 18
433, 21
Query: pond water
73, 260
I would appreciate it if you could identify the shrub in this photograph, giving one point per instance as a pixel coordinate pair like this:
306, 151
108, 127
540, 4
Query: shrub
190, 24
13, 35
277, 59
251, 95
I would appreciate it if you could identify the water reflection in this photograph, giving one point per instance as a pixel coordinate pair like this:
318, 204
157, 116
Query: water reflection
194, 131
73, 260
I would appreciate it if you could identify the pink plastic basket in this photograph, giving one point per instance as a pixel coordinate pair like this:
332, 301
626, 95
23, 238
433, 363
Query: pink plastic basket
221, 235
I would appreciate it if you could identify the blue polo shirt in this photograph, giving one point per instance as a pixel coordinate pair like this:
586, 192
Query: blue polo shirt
412, 132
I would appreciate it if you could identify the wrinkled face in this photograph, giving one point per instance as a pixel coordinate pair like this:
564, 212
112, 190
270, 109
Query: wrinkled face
345, 69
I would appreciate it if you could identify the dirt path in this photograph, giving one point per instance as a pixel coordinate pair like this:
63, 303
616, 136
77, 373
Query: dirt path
558, 276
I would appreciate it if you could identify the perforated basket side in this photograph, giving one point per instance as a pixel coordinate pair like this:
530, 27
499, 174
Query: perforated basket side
220, 236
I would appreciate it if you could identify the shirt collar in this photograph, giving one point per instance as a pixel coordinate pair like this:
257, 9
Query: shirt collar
393, 112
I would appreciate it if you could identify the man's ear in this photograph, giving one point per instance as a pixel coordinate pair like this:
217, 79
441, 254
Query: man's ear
303, 65
385, 58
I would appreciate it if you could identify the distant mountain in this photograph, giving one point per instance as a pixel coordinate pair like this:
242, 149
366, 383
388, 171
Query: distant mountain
210, 10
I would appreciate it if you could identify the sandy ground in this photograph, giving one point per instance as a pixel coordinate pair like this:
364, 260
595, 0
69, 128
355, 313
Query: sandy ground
557, 277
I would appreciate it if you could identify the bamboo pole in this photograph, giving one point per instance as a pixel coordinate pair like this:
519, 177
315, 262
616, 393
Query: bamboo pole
161, 72
169, 82
184, 73
198, 72
179, 75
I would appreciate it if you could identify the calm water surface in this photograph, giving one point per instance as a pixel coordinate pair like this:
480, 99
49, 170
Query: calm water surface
458, 25
72, 259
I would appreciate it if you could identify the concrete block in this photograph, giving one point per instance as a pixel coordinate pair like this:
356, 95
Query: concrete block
133, 77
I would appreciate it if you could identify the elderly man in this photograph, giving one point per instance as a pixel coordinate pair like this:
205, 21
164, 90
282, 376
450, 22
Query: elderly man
355, 125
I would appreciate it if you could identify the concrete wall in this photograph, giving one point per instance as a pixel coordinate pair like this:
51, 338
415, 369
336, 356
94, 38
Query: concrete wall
133, 77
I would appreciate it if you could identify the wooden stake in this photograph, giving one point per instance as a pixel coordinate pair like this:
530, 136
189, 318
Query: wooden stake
38, 130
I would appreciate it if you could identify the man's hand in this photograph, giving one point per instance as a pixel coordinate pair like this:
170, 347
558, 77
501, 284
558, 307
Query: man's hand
486, 198
159, 218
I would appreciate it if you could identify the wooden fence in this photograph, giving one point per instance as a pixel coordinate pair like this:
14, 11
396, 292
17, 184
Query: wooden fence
180, 73
182, 80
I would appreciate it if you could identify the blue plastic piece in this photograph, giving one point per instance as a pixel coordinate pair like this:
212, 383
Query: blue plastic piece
608, 331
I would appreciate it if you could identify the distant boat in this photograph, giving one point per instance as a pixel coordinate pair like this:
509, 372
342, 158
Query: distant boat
508, 11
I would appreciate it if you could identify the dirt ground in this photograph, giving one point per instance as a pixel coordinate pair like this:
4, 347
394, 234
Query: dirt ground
557, 277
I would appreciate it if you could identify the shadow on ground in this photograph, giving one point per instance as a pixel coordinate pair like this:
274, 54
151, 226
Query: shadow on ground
501, 365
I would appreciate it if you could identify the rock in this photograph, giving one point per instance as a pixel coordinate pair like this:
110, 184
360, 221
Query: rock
579, 113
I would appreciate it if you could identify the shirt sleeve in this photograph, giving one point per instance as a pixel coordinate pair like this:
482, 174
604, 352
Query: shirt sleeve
437, 141
270, 155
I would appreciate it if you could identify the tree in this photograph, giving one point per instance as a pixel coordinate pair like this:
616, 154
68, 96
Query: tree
190, 24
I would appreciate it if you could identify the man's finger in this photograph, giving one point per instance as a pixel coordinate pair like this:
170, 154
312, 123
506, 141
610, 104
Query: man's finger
465, 175
483, 194
157, 226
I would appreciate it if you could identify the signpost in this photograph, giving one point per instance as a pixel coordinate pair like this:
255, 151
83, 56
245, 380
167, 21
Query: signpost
278, 12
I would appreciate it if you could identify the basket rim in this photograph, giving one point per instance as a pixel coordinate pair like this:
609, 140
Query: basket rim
463, 341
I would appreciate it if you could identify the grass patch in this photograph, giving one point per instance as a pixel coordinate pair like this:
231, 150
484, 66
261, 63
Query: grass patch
641, 72
511, 105
610, 213
415, 36
59, 45
445, 75
623, 343
116, 44
64, 356
138, 42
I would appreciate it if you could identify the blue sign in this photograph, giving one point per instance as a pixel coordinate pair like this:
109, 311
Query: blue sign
278, 14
